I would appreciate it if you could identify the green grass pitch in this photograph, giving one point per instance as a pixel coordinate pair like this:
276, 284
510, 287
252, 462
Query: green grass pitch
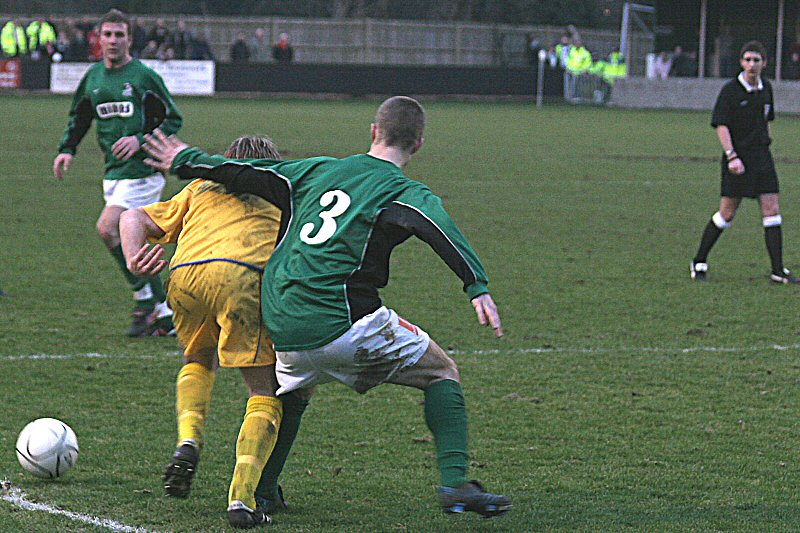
623, 396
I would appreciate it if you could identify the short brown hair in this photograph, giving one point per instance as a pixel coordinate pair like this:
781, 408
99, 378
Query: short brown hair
400, 121
754, 46
253, 147
115, 16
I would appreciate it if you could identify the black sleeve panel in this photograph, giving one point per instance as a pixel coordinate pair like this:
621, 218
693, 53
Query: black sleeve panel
80, 122
238, 176
416, 223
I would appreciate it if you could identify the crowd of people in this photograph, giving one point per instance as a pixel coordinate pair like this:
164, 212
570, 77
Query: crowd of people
258, 49
570, 54
678, 63
77, 40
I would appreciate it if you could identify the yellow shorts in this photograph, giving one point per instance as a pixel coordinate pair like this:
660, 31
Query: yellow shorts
217, 309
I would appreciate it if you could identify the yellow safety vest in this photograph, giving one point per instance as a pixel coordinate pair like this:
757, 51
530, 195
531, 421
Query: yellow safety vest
40, 34
616, 67
579, 60
12, 40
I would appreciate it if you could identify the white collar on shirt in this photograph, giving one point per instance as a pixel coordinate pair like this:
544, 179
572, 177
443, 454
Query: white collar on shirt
747, 87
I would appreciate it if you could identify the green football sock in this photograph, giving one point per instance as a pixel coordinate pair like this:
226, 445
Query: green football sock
293, 408
135, 282
157, 286
446, 416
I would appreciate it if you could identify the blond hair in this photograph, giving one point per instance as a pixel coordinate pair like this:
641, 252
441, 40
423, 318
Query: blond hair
253, 147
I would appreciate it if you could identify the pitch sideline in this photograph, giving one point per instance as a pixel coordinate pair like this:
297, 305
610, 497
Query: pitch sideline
17, 497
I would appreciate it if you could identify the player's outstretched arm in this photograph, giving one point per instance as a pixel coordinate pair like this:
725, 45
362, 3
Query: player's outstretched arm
61, 165
135, 226
487, 313
162, 150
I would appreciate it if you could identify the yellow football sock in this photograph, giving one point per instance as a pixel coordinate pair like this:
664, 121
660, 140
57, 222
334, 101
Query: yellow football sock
195, 383
254, 446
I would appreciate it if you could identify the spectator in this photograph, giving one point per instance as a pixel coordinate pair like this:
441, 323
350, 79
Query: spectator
93, 41
78, 46
579, 60
160, 33
259, 47
282, 52
63, 52
684, 64
727, 56
181, 41
199, 49
532, 47
86, 24
13, 40
562, 48
41, 38
150, 51
792, 71
552, 57
239, 51
165, 52
139, 36
663, 66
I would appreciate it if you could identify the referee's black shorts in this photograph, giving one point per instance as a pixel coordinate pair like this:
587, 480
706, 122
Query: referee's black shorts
759, 175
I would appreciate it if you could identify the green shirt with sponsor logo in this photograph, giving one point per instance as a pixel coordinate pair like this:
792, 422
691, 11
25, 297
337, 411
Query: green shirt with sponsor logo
124, 101
341, 219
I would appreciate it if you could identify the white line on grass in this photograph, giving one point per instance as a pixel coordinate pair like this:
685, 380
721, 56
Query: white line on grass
17, 497
91, 355
645, 349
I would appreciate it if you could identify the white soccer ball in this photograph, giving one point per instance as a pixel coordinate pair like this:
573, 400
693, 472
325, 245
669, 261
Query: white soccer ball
47, 448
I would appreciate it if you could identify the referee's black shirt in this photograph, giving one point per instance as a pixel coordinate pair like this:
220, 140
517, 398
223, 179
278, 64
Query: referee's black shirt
745, 113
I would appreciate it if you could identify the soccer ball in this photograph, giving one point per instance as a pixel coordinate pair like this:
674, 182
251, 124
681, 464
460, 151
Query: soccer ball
47, 448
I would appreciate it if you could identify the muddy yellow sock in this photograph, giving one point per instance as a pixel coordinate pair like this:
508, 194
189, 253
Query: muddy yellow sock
195, 383
254, 446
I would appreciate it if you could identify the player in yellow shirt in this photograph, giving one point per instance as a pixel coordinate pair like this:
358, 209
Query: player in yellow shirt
214, 290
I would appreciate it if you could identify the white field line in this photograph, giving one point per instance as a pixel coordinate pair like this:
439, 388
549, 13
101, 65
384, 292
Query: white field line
643, 349
91, 355
589, 351
16, 497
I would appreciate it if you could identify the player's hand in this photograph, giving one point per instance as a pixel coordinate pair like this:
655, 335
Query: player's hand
125, 147
162, 150
487, 313
736, 166
61, 165
147, 262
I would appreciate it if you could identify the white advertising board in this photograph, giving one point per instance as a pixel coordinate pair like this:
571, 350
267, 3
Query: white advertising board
181, 77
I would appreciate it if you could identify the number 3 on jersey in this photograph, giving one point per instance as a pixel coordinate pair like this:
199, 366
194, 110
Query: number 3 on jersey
340, 201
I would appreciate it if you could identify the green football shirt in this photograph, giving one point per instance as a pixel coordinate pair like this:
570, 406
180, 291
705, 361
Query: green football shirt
130, 100
341, 220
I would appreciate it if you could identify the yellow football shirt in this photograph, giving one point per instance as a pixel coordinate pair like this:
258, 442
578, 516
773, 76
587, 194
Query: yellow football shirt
208, 224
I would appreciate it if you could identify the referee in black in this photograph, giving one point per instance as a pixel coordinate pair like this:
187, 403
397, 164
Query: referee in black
741, 117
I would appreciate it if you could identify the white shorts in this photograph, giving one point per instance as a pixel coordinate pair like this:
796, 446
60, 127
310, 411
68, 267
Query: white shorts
371, 352
131, 194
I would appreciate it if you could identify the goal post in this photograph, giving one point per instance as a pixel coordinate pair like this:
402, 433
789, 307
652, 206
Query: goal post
637, 19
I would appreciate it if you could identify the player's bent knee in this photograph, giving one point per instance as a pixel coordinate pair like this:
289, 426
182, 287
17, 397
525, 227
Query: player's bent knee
260, 380
209, 361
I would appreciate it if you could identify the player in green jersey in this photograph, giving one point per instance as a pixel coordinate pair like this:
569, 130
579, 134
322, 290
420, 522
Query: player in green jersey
320, 303
126, 99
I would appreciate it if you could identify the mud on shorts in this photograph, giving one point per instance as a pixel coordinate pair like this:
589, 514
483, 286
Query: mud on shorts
371, 352
217, 309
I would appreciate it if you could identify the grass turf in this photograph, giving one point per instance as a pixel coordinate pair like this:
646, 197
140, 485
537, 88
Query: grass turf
622, 398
